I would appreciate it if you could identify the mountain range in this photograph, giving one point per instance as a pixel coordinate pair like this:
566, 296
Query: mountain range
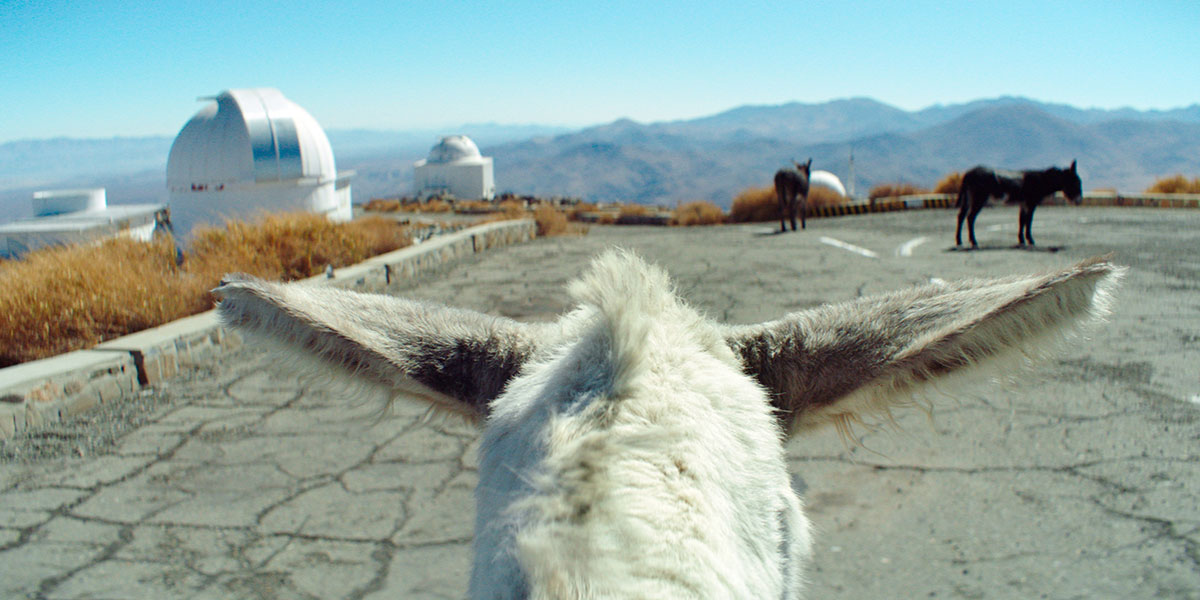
713, 158
708, 158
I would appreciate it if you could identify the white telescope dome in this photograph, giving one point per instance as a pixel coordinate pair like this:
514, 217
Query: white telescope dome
826, 180
454, 148
248, 151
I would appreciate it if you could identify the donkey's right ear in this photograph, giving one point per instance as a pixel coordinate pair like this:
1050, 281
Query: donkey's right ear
459, 360
837, 364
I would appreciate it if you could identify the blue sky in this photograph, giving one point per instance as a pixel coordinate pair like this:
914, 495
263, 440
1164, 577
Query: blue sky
99, 69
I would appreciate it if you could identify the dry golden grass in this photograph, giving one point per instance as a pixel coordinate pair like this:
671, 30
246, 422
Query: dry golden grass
1176, 184
754, 205
512, 209
758, 204
550, 221
382, 205
893, 190
473, 206
60, 299
697, 213
949, 184
435, 205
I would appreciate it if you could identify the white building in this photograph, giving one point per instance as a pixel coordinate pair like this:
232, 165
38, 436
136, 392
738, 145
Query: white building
78, 216
826, 180
253, 151
455, 168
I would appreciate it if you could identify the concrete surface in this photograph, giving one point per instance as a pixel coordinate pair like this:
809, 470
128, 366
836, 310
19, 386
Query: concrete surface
243, 482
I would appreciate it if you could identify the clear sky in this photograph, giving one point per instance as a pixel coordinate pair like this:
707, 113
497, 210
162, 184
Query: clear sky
106, 68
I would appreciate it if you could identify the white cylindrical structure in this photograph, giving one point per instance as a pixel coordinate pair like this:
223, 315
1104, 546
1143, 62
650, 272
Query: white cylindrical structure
455, 167
57, 202
248, 152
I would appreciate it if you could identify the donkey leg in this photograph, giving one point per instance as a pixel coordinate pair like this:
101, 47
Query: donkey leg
803, 211
1022, 219
971, 224
792, 212
1029, 225
782, 211
962, 214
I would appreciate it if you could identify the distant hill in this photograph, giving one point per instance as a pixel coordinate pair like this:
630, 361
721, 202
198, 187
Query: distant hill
713, 158
709, 158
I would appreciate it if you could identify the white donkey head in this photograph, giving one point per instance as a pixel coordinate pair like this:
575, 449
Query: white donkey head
636, 449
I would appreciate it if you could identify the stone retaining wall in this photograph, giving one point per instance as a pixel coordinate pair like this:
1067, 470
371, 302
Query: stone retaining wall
54, 388
948, 200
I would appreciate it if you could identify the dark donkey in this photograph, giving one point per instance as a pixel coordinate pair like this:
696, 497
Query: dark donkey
1026, 188
792, 185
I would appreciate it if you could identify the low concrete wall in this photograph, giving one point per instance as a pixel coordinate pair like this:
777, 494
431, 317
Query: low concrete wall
948, 201
46, 390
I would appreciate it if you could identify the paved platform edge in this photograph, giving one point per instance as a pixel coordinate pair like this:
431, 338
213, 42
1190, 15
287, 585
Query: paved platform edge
37, 392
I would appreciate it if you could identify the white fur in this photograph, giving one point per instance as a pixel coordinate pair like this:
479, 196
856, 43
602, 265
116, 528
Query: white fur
649, 465
636, 449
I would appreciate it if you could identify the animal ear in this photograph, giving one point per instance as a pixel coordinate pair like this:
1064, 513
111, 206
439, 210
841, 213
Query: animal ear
1073, 166
459, 360
840, 363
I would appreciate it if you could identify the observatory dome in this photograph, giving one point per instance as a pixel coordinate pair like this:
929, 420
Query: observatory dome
455, 168
826, 180
454, 148
250, 135
255, 150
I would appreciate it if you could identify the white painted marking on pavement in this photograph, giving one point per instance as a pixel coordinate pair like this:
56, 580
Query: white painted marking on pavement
850, 247
906, 249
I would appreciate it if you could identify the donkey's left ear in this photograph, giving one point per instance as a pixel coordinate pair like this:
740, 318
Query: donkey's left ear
1072, 166
837, 364
458, 360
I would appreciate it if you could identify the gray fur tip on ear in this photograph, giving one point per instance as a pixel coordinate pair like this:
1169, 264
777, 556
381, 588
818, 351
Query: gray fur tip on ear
232, 280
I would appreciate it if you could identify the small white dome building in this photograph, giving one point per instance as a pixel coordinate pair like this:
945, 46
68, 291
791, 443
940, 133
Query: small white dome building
64, 217
253, 151
826, 180
455, 167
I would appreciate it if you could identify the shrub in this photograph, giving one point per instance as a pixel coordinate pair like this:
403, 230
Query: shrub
67, 298
754, 205
1176, 184
759, 204
512, 209
549, 221
382, 205
697, 213
436, 205
892, 190
949, 184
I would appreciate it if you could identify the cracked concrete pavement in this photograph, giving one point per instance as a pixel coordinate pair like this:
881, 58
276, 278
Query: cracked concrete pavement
238, 480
